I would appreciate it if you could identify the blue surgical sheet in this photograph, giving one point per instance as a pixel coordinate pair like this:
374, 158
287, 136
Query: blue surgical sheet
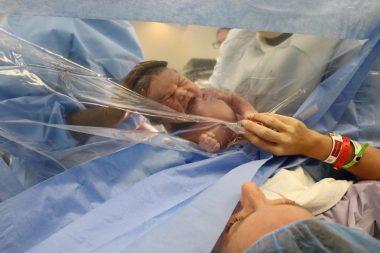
148, 198
353, 19
108, 47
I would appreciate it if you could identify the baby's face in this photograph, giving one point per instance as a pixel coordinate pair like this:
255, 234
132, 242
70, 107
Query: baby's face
173, 90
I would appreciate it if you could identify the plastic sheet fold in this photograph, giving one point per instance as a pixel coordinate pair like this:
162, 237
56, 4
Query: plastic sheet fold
62, 87
127, 189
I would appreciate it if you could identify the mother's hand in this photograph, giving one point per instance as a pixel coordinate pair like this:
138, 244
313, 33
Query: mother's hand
282, 135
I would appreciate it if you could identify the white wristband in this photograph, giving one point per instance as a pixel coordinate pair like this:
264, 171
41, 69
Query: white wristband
336, 148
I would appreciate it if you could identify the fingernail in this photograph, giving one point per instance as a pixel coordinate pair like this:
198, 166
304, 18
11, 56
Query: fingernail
243, 122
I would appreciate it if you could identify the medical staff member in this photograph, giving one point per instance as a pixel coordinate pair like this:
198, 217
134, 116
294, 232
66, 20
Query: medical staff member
281, 225
268, 67
110, 48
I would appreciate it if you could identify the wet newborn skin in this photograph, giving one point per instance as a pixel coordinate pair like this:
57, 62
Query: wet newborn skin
179, 93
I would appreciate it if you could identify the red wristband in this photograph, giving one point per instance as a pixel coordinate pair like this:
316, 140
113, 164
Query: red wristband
336, 148
344, 153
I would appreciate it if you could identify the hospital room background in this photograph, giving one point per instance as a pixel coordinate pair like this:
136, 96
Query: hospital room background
122, 180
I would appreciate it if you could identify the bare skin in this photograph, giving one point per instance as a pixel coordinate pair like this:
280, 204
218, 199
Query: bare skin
254, 217
179, 93
100, 117
283, 135
222, 35
97, 117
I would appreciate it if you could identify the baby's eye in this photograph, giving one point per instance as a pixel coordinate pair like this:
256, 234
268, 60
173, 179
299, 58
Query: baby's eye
168, 96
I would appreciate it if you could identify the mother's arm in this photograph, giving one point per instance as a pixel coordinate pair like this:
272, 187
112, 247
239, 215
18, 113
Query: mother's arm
283, 135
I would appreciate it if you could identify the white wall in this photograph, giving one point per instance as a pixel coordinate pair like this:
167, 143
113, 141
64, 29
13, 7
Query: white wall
176, 43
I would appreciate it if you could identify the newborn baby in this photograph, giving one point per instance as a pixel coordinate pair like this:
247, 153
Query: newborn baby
154, 80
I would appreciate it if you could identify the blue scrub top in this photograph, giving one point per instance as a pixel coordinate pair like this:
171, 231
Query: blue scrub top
110, 48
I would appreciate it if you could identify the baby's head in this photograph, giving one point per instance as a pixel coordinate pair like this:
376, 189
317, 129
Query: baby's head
154, 80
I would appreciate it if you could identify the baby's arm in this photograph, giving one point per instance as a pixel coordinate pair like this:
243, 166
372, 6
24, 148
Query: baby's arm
238, 104
211, 139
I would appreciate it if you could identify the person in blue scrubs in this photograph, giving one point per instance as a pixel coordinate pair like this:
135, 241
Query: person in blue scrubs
108, 47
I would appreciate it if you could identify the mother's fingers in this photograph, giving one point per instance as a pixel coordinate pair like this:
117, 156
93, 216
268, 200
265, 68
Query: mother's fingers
261, 131
270, 121
260, 143
282, 118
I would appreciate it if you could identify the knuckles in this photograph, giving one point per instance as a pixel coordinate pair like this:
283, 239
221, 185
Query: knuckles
286, 140
265, 132
271, 121
279, 151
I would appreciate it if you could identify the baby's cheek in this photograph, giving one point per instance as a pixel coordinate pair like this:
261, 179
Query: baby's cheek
197, 109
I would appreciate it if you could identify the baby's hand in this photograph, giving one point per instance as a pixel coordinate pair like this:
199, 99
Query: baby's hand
249, 114
208, 142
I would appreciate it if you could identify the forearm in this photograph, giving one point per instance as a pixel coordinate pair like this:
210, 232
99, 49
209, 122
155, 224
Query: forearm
97, 117
319, 147
282, 135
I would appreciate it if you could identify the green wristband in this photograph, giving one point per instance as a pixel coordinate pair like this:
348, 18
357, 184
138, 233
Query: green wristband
357, 157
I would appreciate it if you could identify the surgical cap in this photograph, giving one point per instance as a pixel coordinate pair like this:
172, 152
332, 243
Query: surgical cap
315, 236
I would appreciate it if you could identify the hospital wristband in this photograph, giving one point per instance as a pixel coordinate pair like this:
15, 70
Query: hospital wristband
357, 148
345, 152
336, 148
359, 151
